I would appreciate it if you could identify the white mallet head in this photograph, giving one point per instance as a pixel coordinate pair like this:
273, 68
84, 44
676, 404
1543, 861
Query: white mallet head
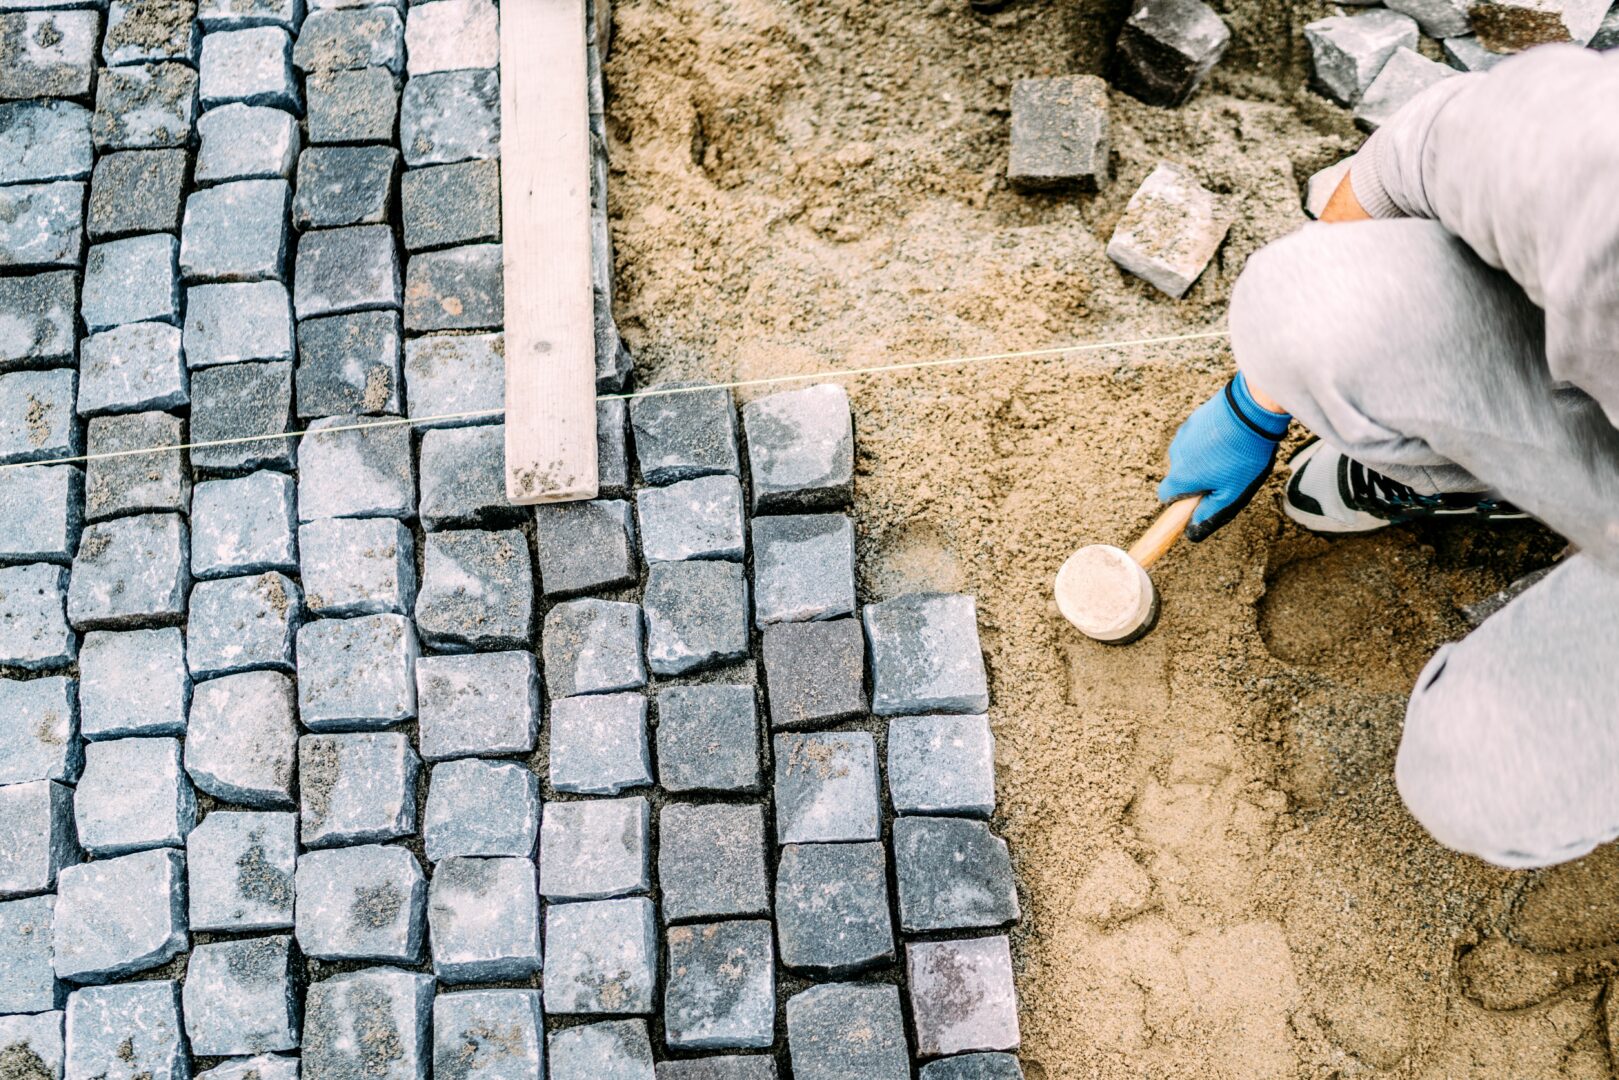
1106, 594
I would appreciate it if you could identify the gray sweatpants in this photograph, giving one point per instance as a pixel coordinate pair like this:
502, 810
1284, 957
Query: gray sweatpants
1395, 344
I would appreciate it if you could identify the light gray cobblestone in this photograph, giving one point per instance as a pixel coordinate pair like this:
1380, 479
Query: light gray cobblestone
601, 959
485, 919
119, 916
599, 744
594, 849
240, 997
356, 789
127, 1032
39, 726
133, 795
361, 903
239, 871
486, 703
242, 739
132, 369
247, 525
357, 566
242, 624
37, 837
481, 808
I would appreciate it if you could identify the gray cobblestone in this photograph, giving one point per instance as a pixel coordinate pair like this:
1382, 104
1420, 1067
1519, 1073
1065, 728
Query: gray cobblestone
1406, 75
133, 683
463, 477
361, 903
585, 546
242, 739
28, 983
130, 572
595, 848
845, 1031
1059, 133
227, 324
459, 288
251, 66
826, 787
349, 364
132, 369
610, 1050
711, 861
259, 1067
126, 1032
485, 920
356, 789
481, 808
356, 673
246, 142
681, 436
136, 483
477, 591
953, 874
1347, 51
131, 280
238, 14
450, 35
962, 995
358, 566
239, 997
34, 634
136, 191
48, 53
37, 1038
599, 744
941, 765
145, 106
488, 1035
41, 512
349, 1014
487, 703
343, 40
708, 739
602, 959
237, 400
925, 656
240, 871
450, 116
446, 205
37, 838
133, 795
44, 140
832, 908
592, 647
803, 568
730, 1067
355, 473
815, 672
1165, 51
455, 373
361, 105
1171, 228
974, 1067
39, 328
722, 986
247, 525
692, 519
696, 615
344, 185
612, 445
36, 415
236, 232
39, 725
117, 917
42, 224
800, 449
140, 31
352, 269
242, 624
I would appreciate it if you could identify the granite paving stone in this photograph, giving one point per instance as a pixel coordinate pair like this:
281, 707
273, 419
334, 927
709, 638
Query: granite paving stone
36, 415
251, 66
595, 848
358, 566
361, 903
941, 765
238, 14
599, 744
136, 191
236, 322
352, 269
925, 656
41, 512
246, 525
130, 573
481, 808
584, 546
356, 673
239, 868
349, 364
692, 519
352, 106
44, 140
450, 116
236, 231
1347, 51
116, 486
612, 445
1437, 18
132, 369
37, 837
803, 567
953, 874
347, 39
141, 31
133, 795
37, 320
1059, 133
601, 958
34, 634
592, 647
258, 1067
832, 908
126, 1032
962, 996
119, 916
610, 1050
1508, 26
477, 591
30, 983
39, 723
1166, 50
240, 997
708, 739
826, 787
38, 1040
246, 142
696, 615
974, 1067
48, 53
344, 185
1466, 54
461, 288
41, 224
347, 1015
1171, 228
242, 624
349, 473
728, 1067
484, 915
131, 280
242, 739
1406, 75
815, 672
463, 478
449, 35
711, 860
800, 449
487, 703
722, 986
133, 682
488, 1035
447, 205
356, 789
842, 1031
685, 435
144, 106
235, 401
455, 373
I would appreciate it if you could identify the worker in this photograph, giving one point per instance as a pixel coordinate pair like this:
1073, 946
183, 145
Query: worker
1449, 332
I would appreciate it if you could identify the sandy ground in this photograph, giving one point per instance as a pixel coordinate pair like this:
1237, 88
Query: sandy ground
1218, 876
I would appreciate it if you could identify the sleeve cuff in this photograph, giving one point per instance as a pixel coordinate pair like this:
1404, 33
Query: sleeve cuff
1366, 180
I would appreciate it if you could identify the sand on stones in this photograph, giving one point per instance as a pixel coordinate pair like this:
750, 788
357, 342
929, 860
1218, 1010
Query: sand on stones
1217, 875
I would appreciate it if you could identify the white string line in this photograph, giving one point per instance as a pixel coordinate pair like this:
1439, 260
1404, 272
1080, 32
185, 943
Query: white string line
666, 391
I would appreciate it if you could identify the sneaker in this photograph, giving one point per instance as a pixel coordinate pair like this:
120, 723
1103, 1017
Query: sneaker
1330, 492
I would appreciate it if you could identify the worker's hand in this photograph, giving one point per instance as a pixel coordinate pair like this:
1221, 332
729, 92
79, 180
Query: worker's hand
1222, 452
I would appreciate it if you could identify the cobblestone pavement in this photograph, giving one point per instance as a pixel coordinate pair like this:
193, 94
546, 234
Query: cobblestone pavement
315, 753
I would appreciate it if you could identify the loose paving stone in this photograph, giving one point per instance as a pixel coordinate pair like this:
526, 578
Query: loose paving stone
30, 983
612, 446
133, 795
925, 656
37, 320
145, 106
953, 874
459, 288
349, 473
361, 903
133, 683
488, 1035
696, 614
483, 704
356, 789
1406, 75
48, 53
482, 808
119, 916
941, 765
464, 478
592, 647
34, 634
248, 525
1171, 228
347, 1017
451, 204
450, 116
260, 1067
40, 513
815, 672
246, 142
130, 573
39, 722
132, 369
826, 787
803, 568
962, 996
344, 185
37, 837
35, 1040
1320, 187
832, 908
252, 66
348, 39
1166, 50
601, 958
450, 35
1466, 54
242, 321
845, 1031
477, 591
242, 624
599, 744
1347, 51
358, 566
711, 861
45, 140
584, 546
349, 364
730, 1067
722, 986
135, 483
1437, 18
239, 14
131, 280
612, 1050
236, 232
485, 920
240, 871
140, 31
455, 373
595, 848
242, 739
41, 224
239, 997
353, 269
974, 1067
1607, 35
356, 673
708, 739
692, 519
686, 435
136, 191
1059, 133
352, 106
800, 449
1508, 26
36, 415
126, 1032
234, 401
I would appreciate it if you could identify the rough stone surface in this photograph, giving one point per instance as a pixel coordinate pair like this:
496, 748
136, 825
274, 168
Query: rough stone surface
941, 765
1607, 35
446, 205
44, 140
48, 53
599, 744
227, 324
1466, 54
246, 142
463, 482
119, 916
925, 656
962, 996
451, 373
800, 449
133, 683
842, 1031
1170, 230
602, 959
349, 364
136, 191
692, 519
259, 1067
815, 672
722, 986
239, 997
592, 647
1508, 26
1437, 18
711, 861
150, 30
826, 787
488, 1035
348, 473
450, 116
356, 789
595, 848
41, 224
238, 400
133, 795
236, 232
1407, 74
584, 546
131, 280
481, 808
36, 836
247, 525
612, 1050
39, 722
240, 868
974, 1067
485, 920
135, 484
37, 320
1347, 51
242, 739
37, 1037
477, 591
1167, 49
237, 14
832, 908
41, 513
344, 40
449, 35
729, 1067
145, 106
242, 624
347, 1016
34, 634
36, 415
30, 983
685, 435
361, 903
354, 106
130, 572
352, 269
1059, 133
953, 874
132, 369
708, 739
696, 614
487, 703
126, 1032
461, 288
612, 445
803, 568
356, 673
344, 185
251, 66
357, 566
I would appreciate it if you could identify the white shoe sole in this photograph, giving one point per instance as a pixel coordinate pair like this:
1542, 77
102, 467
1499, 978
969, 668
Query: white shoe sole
1360, 522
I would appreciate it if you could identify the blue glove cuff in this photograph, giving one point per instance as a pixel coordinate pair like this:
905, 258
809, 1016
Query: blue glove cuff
1271, 425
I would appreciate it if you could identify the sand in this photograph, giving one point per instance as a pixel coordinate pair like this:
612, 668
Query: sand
1218, 877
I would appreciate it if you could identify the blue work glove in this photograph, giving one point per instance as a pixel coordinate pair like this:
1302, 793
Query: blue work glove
1223, 452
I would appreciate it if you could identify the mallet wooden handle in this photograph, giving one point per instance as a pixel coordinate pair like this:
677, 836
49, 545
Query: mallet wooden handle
1162, 534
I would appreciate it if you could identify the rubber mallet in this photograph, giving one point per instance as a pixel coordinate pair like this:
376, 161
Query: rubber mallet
1105, 591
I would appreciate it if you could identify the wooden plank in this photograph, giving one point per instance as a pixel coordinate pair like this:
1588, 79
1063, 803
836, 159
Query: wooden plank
545, 203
